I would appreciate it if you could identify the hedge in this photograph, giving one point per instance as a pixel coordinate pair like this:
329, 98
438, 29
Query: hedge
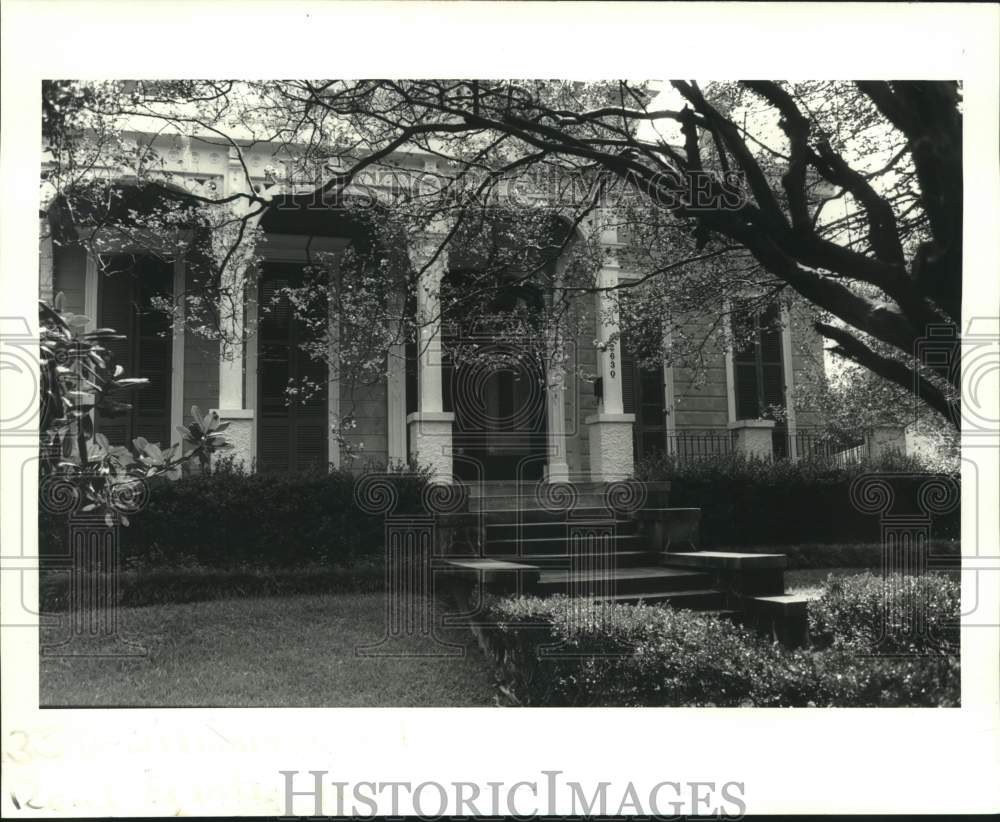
849, 555
232, 519
903, 614
564, 652
757, 502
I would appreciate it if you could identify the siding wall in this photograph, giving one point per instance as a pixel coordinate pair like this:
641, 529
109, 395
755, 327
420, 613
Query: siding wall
807, 362
701, 395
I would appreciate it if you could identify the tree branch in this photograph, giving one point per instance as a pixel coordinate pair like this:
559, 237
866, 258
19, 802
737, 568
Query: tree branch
851, 348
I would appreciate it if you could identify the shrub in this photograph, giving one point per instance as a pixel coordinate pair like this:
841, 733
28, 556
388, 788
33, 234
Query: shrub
845, 555
233, 518
760, 502
565, 652
902, 614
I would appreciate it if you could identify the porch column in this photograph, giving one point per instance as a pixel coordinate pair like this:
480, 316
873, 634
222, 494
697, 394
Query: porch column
242, 432
789, 373
885, 440
45, 261
233, 405
753, 438
556, 469
610, 429
396, 397
430, 426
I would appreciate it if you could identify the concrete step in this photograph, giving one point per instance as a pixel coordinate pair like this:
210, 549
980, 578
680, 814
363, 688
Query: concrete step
510, 516
744, 574
562, 560
511, 502
525, 489
567, 545
614, 581
558, 529
724, 560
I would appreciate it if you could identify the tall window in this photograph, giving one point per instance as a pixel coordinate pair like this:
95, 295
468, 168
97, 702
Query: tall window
758, 368
642, 395
293, 428
127, 287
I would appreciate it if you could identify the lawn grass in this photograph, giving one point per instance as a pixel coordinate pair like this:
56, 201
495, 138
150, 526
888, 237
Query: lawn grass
294, 651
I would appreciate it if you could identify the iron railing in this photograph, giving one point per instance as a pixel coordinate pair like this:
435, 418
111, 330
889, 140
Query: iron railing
818, 445
695, 446
687, 447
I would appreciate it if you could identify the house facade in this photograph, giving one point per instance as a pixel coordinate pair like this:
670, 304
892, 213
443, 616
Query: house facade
591, 415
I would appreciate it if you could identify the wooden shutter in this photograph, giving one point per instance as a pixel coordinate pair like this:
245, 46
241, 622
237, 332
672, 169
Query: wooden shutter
115, 310
745, 382
642, 395
627, 367
771, 363
745, 367
151, 415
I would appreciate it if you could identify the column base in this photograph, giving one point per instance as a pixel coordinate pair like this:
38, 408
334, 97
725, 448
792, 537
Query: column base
754, 438
886, 440
556, 472
610, 438
241, 434
430, 442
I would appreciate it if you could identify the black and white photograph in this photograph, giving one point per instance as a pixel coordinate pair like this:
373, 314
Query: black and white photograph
502, 390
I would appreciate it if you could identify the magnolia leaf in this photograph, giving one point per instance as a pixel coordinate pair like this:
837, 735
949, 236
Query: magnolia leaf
152, 450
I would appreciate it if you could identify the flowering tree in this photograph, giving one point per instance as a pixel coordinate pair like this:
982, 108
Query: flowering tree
845, 198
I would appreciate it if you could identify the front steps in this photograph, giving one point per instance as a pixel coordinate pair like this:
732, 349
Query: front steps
543, 541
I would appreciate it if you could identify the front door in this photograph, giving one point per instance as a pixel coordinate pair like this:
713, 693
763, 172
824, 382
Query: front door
292, 386
495, 385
